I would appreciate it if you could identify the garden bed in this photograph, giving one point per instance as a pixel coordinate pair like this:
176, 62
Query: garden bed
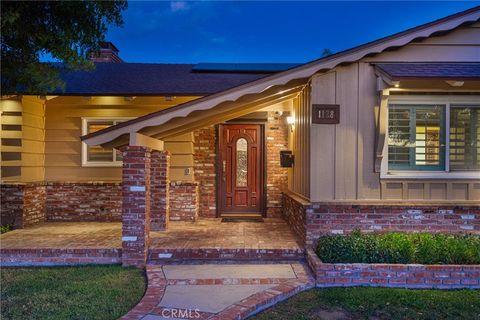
397, 260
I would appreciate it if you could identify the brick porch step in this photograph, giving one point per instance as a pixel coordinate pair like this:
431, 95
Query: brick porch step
161, 255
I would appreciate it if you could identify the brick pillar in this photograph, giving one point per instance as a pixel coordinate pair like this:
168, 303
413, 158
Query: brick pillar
159, 193
135, 205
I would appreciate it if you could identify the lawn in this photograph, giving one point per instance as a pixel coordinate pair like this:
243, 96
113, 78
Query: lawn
87, 292
377, 303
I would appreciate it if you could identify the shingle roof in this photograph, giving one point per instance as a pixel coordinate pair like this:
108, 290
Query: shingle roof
158, 79
453, 71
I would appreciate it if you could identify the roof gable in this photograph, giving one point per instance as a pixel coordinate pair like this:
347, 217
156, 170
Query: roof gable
287, 78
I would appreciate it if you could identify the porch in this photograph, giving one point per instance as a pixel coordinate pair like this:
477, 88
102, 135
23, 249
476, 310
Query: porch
64, 243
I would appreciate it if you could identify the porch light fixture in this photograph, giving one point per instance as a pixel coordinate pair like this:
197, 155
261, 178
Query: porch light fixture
291, 122
453, 83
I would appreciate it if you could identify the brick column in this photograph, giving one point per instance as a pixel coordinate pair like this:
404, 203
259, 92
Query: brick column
135, 205
159, 193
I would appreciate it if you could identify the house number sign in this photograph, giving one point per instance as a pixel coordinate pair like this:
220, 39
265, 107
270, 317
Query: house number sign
326, 113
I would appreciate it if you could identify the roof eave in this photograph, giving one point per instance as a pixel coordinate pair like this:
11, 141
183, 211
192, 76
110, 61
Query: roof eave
304, 71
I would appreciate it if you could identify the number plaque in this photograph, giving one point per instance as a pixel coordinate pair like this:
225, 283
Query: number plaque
326, 113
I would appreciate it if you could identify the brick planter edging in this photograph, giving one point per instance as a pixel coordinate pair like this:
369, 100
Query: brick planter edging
415, 276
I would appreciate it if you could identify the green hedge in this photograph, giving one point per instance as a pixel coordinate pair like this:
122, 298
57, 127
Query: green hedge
422, 248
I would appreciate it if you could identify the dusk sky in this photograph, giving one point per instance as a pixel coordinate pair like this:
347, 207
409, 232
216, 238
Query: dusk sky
191, 32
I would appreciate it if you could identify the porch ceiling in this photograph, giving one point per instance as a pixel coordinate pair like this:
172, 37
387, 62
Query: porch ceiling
221, 112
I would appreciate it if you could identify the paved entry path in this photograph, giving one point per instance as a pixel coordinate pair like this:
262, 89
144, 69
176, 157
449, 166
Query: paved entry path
217, 291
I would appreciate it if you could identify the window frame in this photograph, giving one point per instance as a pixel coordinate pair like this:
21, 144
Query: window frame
448, 101
85, 122
442, 140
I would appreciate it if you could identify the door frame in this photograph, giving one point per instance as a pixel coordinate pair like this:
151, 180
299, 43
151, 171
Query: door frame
218, 165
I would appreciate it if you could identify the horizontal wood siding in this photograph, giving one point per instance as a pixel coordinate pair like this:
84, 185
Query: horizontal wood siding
23, 140
63, 147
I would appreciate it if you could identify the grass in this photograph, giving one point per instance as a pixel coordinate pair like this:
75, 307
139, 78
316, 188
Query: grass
86, 292
377, 303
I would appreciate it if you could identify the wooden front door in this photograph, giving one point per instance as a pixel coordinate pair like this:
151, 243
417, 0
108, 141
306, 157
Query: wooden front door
241, 168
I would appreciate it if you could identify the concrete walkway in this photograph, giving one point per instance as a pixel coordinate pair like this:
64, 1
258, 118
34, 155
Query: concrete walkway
218, 291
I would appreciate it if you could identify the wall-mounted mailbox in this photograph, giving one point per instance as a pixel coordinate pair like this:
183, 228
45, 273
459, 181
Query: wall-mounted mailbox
286, 159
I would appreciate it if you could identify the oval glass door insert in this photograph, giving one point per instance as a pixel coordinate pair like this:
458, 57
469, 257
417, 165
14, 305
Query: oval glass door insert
242, 165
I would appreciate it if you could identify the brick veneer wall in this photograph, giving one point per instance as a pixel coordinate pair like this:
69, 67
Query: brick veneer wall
394, 275
84, 201
276, 133
48, 257
22, 204
295, 215
160, 186
204, 167
136, 177
184, 196
336, 218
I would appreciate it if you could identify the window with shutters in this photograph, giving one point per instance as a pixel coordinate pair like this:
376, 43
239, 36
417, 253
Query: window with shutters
433, 134
464, 137
416, 137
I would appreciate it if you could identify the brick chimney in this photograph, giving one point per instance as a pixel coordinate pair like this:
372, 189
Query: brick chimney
107, 53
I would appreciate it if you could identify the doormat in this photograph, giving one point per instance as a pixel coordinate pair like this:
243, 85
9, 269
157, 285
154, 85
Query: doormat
243, 219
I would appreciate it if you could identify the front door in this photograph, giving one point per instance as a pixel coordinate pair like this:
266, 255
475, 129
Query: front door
241, 169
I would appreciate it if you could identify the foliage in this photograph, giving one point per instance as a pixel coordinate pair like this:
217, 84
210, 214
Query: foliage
5, 228
420, 248
88, 292
66, 30
326, 52
377, 303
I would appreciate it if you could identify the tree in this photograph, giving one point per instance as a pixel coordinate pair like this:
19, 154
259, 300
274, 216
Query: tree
68, 31
326, 52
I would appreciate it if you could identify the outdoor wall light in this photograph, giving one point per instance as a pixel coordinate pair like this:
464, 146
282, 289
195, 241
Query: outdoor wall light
291, 122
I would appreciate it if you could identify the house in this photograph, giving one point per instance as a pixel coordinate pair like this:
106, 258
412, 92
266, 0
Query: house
382, 137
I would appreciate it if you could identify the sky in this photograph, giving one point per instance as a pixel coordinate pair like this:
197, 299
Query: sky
262, 31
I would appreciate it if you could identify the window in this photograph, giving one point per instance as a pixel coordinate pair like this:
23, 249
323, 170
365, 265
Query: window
464, 138
416, 137
97, 155
242, 162
428, 133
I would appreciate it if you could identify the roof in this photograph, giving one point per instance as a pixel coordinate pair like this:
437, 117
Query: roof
244, 67
137, 79
278, 82
442, 71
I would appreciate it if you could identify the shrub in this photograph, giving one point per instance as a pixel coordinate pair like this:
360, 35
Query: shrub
422, 248
5, 228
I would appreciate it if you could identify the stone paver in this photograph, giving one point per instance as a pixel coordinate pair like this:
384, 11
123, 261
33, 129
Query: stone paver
212, 233
64, 235
205, 233
218, 291
228, 271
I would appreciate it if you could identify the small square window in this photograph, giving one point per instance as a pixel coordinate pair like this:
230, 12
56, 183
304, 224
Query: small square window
98, 155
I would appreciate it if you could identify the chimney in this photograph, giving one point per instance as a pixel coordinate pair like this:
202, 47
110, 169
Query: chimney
107, 53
